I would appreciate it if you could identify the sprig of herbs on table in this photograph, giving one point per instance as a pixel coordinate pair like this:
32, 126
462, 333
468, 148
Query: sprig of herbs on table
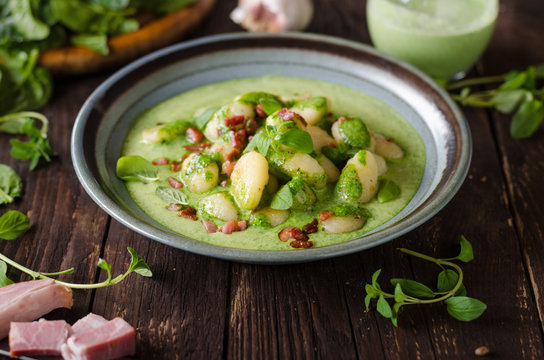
14, 224
517, 94
450, 289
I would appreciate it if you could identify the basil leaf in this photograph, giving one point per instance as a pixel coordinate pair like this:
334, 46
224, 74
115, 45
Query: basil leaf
466, 254
375, 278
13, 224
447, 279
11, 184
171, 196
400, 296
297, 139
527, 119
136, 168
269, 102
388, 190
270, 105
202, 120
260, 142
465, 308
514, 80
104, 266
413, 288
283, 199
384, 308
4, 280
138, 265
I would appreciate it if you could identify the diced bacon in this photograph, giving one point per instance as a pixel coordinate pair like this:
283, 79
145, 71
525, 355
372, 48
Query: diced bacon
332, 144
237, 139
228, 167
286, 115
194, 135
161, 161
310, 228
260, 111
175, 183
209, 226
233, 121
184, 156
242, 225
174, 207
198, 147
188, 213
324, 215
112, 340
38, 338
230, 156
341, 119
87, 323
228, 228
176, 166
301, 244
27, 301
251, 126
291, 232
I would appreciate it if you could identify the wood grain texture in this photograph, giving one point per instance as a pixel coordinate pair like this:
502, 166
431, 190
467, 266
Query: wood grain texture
196, 307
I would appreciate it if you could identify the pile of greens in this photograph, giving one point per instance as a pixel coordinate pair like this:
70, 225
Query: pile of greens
29, 26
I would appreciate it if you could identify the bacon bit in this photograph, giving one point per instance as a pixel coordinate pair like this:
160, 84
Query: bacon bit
286, 115
324, 215
291, 232
188, 213
233, 121
198, 147
249, 138
174, 207
301, 119
260, 111
176, 166
341, 119
298, 244
332, 144
184, 156
232, 226
209, 226
228, 167
174, 183
223, 183
389, 140
161, 161
232, 155
194, 135
311, 227
251, 126
237, 138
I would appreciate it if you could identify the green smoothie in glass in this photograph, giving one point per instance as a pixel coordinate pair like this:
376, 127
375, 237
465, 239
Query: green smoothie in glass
444, 38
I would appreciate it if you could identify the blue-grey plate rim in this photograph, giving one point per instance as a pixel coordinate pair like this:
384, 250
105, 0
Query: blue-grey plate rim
455, 176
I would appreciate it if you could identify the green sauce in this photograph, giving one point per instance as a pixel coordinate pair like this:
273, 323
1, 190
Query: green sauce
344, 101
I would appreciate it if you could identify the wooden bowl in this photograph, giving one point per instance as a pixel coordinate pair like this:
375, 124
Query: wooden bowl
77, 60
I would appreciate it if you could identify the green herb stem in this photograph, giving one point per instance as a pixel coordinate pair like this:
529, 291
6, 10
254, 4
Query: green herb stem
8, 198
476, 81
29, 114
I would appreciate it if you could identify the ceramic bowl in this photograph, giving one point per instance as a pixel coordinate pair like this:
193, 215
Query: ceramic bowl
106, 116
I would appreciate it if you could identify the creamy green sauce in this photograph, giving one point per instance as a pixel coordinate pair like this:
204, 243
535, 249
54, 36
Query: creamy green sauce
407, 173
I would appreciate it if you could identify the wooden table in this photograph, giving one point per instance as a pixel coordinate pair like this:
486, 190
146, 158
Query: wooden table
199, 307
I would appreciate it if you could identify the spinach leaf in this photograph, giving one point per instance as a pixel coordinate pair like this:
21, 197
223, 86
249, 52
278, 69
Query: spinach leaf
11, 184
136, 168
13, 224
30, 27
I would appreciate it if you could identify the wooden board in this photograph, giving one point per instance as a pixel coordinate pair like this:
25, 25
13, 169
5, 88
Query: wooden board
124, 48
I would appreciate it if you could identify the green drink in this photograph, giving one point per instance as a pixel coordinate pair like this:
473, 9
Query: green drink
444, 38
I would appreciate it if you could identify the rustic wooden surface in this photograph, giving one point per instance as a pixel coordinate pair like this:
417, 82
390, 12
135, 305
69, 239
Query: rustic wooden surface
197, 307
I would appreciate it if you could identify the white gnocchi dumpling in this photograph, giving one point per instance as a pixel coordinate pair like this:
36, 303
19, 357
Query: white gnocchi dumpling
219, 206
359, 178
249, 178
343, 224
312, 110
330, 169
319, 136
199, 173
272, 216
386, 147
306, 167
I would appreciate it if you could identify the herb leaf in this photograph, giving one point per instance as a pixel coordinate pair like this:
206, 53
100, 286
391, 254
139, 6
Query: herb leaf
388, 190
527, 119
136, 168
202, 120
4, 280
298, 139
138, 265
283, 199
466, 254
465, 308
447, 279
171, 196
413, 288
13, 224
11, 184
383, 307
260, 142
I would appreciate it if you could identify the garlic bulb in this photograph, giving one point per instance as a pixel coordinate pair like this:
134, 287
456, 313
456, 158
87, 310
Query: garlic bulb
273, 15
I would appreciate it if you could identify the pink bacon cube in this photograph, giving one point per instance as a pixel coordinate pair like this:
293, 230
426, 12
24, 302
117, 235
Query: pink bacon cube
38, 338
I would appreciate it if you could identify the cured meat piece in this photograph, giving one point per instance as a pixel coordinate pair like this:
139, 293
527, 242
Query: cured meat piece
87, 323
114, 339
27, 301
38, 338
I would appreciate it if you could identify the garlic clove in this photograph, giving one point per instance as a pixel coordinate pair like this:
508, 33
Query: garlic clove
273, 15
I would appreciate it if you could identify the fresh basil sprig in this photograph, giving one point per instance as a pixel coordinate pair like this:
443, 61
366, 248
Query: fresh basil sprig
518, 94
450, 289
13, 224
11, 184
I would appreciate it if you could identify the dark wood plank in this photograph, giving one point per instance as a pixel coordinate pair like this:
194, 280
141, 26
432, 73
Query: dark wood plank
180, 312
